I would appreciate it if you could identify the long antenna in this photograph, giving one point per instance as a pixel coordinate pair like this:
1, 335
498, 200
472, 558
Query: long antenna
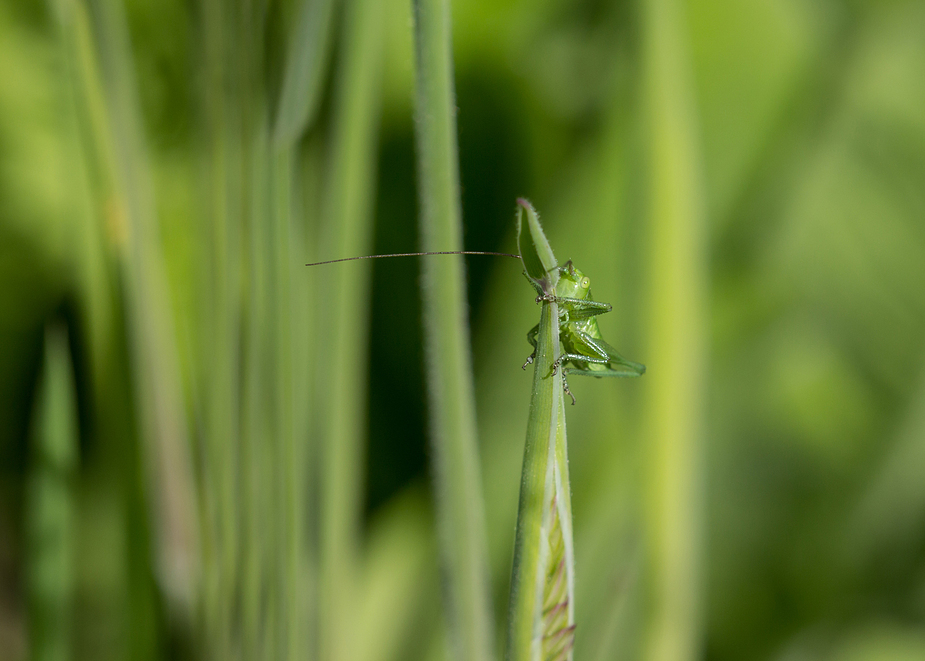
417, 254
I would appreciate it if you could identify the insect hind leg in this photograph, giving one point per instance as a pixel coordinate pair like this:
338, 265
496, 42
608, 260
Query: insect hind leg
558, 363
576, 357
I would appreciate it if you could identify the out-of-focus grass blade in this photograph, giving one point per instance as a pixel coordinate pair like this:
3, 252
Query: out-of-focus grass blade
400, 580
306, 61
892, 508
50, 504
896, 641
347, 216
220, 330
677, 295
293, 437
122, 163
460, 509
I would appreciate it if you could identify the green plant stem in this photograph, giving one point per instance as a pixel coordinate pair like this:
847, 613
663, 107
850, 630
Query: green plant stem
50, 505
293, 477
526, 586
259, 438
306, 62
460, 513
220, 340
347, 218
677, 295
123, 163
543, 551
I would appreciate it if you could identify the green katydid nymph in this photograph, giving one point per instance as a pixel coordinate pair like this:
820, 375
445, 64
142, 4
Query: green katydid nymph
583, 346
584, 351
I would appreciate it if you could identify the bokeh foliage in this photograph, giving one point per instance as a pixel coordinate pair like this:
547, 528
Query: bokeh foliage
151, 205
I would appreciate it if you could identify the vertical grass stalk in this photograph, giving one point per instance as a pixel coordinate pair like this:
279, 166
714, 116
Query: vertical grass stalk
677, 300
347, 222
123, 161
449, 373
50, 504
541, 621
306, 62
292, 473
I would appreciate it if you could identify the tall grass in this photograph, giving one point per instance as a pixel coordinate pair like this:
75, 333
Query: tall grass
50, 504
676, 337
458, 484
738, 176
342, 340
541, 620
105, 87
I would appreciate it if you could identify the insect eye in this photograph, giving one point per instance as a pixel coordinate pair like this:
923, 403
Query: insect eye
585, 282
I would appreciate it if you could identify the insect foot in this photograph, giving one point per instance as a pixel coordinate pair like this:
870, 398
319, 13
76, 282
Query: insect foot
555, 366
552, 372
529, 360
565, 388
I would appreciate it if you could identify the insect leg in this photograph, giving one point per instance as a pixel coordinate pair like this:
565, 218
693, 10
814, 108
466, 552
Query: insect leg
531, 338
565, 388
583, 308
576, 356
616, 365
580, 348
618, 371
614, 357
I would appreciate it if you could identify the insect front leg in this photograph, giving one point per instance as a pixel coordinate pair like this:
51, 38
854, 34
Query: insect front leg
579, 309
531, 338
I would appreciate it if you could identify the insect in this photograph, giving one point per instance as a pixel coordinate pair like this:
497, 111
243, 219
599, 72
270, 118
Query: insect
582, 344
584, 349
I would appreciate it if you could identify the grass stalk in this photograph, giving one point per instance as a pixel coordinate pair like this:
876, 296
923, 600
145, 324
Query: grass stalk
306, 451
306, 62
50, 504
259, 440
292, 468
122, 160
114, 383
220, 340
347, 215
676, 330
541, 617
460, 513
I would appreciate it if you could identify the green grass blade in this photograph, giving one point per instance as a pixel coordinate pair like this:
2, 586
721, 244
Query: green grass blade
293, 475
676, 329
541, 618
460, 513
535, 251
123, 163
221, 336
347, 219
305, 67
50, 505
526, 589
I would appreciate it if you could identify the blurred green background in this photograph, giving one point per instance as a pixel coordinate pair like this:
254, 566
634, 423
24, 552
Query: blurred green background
165, 357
